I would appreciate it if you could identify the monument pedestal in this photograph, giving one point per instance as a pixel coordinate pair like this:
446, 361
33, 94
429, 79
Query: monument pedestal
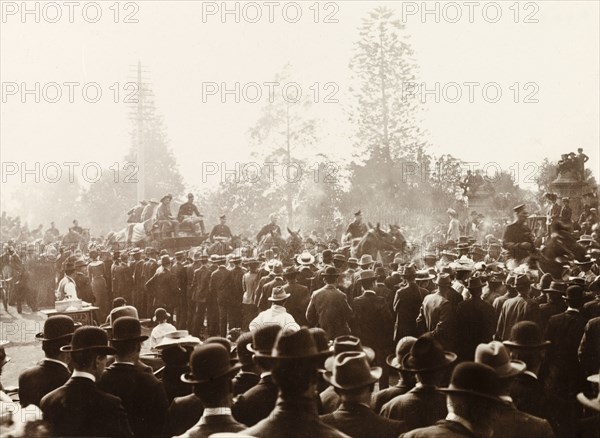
567, 185
481, 202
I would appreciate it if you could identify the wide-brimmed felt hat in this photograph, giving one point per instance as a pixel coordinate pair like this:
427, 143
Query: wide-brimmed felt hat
277, 269
426, 355
169, 197
351, 370
264, 339
585, 238
366, 274
475, 283
574, 293
443, 279
127, 328
88, 338
526, 335
118, 312
294, 345
544, 282
409, 271
403, 347
591, 403
424, 275
366, 259
278, 294
57, 328
305, 258
346, 343
496, 356
209, 362
522, 280
200, 257
177, 337
475, 380
556, 287
290, 271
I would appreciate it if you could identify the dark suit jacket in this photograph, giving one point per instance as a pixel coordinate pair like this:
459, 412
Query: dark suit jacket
438, 316
548, 310
244, 381
441, 429
385, 395
591, 309
329, 309
142, 394
297, 303
330, 400
200, 284
359, 421
235, 291
515, 310
256, 403
293, 418
79, 408
516, 424
183, 413
219, 286
213, 424
164, 287
476, 324
564, 375
265, 292
589, 348
407, 303
422, 406
388, 294
373, 321
39, 380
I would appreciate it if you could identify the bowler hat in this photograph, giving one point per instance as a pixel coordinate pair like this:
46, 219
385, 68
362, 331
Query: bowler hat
402, 349
57, 328
200, 257
209, 362
119, 312
160, 314
127, 328
475, 283
475, 380
277, 269
351, 370
264, 338
278, 294
241, 348
574, 293
426, 355
178, 337
357, 213
292, 345
236, 258
80, 263
88, 338
526, 335
409, 271
522, 280
330, 271
165, 260
345, 343
495, 355
290, 271
591, 403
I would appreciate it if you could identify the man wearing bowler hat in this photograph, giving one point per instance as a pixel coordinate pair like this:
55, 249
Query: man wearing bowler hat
407, 303
53, 371
473, 400
564, 374
297, 304
328, 307
527, 391
296, 360
199, 292
519, 308
373, 322
476, 320
79, 407
510, 421
437, 314
423, 405
554, 302
164, 286
353, 378
211, 374
143, 395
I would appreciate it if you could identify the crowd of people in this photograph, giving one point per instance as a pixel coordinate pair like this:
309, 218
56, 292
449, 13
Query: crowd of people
469, 339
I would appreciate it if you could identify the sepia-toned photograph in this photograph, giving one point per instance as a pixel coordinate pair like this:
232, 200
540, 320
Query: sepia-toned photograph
300, 219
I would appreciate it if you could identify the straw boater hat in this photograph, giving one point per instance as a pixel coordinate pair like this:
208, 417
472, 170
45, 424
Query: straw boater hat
178, 337
305, 258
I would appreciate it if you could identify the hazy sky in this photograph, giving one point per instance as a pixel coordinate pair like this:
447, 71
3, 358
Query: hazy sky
554, 61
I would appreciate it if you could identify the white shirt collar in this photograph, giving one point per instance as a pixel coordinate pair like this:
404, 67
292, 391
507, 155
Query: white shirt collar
458, 419
265, 374
84, 375
506, 398
47, 359
530, 373
572, 310
208, 412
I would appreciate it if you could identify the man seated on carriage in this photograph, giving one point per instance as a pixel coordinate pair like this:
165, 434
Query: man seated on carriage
270, 228
357, 229
134, 215
76, 228
164, 219
51, 234
185, 216
220, 231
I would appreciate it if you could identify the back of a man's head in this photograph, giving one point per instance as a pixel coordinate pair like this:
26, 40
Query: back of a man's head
294, 378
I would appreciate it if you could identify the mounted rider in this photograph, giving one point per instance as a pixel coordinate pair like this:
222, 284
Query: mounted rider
518, 239
271, 228
221, 231
185, 216
357, 229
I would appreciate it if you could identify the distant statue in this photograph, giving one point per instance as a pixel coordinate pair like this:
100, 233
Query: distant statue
572, 165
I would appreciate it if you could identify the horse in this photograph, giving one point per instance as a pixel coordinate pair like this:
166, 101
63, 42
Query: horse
132, 234
374, 242
559, 249
223, 247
